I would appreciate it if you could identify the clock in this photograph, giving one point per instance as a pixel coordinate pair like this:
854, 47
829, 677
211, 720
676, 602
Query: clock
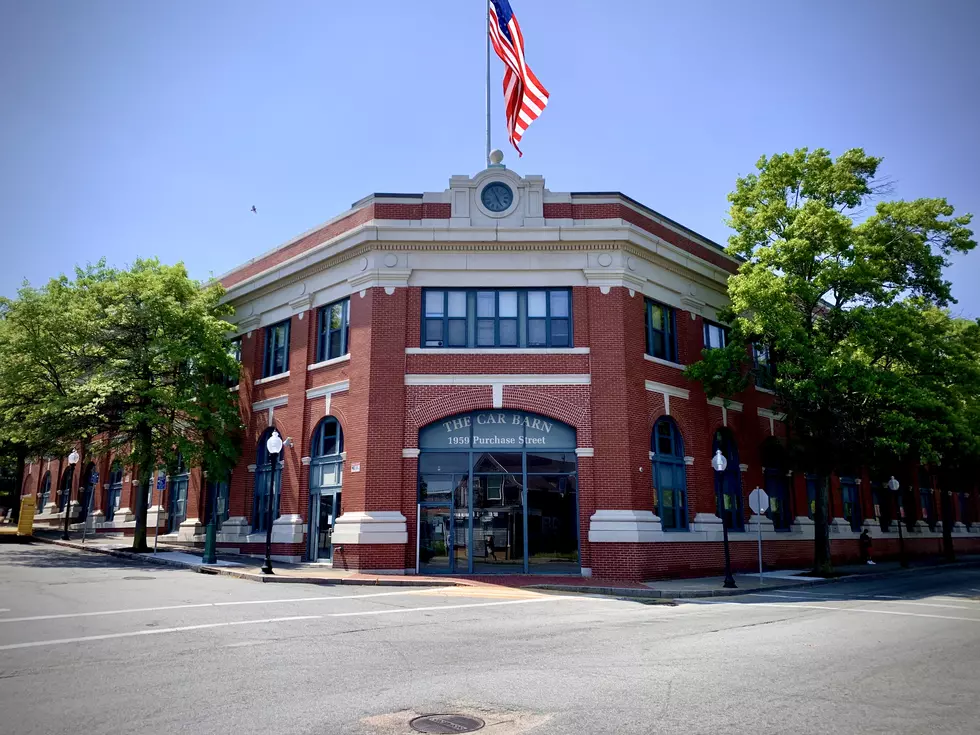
497, 196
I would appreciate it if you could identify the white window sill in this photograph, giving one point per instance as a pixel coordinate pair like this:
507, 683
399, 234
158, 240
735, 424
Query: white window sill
328, 363
765, 390
234, 388
272, 378
496, 350
661, 361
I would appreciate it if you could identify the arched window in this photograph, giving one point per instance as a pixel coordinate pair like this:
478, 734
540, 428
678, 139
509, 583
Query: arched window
325, 451
776, 483
263, 484
114, 492
728, 484
44, 494
64, 491
669, 475
90, 481
326, 477
218, 500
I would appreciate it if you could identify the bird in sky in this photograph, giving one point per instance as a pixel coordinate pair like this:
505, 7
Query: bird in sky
254, 210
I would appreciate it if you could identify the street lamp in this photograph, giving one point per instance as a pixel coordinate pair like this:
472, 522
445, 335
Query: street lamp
72, 461
273, 446
720, 464
894, 486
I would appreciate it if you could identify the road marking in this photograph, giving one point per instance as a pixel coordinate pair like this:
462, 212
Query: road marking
4, 609
888, 597
396, 610
928, 604
153, 631
780, 596
191, 606
802, 606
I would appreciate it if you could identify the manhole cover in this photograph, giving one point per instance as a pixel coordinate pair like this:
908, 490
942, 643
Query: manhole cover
446, 724
139, 578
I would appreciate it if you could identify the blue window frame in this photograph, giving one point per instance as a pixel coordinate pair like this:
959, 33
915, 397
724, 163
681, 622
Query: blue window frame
926, 499
44, 494
661, 331
218, 501
325, 450
333, 330
813, 483
113, 493
264, 484
851, 499
881, 501
498, 318
669, 475
276, 358
178, 486
779, 511
728, 484
235, 352
715, 336
64, 491
966, 510
765, 372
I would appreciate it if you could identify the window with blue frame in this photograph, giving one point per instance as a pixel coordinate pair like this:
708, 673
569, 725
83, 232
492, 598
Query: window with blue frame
728, 484
276, 359
765, 373
114, 492
966, 510
661, 331
235, 352
927, 499
218, 500
715, 336
669, 475
264, 484
325, 450
44, 494
850, 497
64, 491
812, 486
777, 488
333, 330
881, 501
497, 318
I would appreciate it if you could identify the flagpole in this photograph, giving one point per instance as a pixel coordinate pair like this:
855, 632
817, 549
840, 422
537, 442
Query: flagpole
486, 29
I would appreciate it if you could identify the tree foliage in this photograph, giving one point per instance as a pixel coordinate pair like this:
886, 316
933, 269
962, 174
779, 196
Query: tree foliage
869, 362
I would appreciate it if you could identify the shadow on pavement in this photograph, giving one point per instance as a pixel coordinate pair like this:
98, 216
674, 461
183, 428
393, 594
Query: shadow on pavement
45, 556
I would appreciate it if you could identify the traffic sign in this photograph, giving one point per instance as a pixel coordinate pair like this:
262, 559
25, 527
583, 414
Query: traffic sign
758, 501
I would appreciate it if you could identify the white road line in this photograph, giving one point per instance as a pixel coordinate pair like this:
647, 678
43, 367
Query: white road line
894, 601
191, 606
928, 604
396, 610
887, 597
800, 606
4, 609
153, 631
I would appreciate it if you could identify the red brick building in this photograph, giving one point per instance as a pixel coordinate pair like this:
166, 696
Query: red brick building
490, 378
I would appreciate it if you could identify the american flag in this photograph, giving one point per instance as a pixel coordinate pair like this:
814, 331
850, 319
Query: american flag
524, 96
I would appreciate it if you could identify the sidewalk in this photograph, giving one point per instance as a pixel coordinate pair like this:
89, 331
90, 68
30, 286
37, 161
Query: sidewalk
247, 567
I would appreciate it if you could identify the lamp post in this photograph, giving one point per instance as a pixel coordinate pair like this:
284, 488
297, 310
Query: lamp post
894, 486
273, 446
720, 464
72, 461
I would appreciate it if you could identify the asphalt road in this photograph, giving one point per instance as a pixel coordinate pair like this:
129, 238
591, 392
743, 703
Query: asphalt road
92, 644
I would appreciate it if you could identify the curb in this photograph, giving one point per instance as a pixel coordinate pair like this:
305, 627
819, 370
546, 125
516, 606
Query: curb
250, 576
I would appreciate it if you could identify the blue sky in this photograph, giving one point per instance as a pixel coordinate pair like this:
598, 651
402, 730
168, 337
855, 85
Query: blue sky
151, 128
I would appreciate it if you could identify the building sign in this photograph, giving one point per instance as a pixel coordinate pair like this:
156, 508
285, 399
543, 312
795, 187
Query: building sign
487, 430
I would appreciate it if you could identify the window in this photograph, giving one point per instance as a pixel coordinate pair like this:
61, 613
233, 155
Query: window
276, 349
812, 485
715, 336
881, 501
669, 476
264, 483
326, 448
779, 510
218, 501
661, 334
497, 318
235, 352
333, 330
64, 492
764, 368
113, 493
728, 484
966, 510
44, 494
851, 501
177, 506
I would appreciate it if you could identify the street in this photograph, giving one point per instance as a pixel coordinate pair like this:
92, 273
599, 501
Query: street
93, 644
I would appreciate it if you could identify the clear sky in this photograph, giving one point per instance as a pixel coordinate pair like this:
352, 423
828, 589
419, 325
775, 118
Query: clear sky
151, 128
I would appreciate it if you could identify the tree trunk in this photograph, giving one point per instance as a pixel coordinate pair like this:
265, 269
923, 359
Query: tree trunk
822, 563
21, 459
144, 452
946, 503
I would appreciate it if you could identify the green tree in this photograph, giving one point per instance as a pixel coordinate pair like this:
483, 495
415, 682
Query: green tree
164, 371
821, 288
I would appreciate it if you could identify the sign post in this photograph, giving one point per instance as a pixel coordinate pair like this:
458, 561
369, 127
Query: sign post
161, 484
759, 503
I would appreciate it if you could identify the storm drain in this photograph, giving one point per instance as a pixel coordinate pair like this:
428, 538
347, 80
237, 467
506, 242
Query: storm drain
444, 724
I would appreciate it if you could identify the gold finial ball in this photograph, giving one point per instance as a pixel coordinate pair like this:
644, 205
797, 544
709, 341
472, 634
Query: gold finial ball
496, 156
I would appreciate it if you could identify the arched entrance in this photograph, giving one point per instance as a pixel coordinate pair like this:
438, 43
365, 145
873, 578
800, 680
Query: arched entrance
498, 492
326, 483
728, 484
90, 481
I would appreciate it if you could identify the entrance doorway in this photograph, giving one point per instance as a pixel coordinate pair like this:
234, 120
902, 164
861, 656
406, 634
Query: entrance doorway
498, 493
326, 483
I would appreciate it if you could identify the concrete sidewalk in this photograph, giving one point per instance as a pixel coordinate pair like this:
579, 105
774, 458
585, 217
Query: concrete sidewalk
247, 567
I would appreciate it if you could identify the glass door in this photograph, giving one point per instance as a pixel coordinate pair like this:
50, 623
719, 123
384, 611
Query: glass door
498, 512
178, 503
323, 517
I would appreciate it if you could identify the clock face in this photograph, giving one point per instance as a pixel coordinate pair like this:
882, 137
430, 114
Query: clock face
497, 196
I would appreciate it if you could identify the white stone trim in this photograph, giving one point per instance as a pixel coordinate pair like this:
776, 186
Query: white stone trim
371, 527
305, 461
760, 389
328, 363
272, 378
773, 416
275, 402
624, 526
667, 391
328, 389
496, 351
743, 468
661, 361
189, 528
585, 452
497, 395
688, 460
410, 453
732, 405
538, 379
